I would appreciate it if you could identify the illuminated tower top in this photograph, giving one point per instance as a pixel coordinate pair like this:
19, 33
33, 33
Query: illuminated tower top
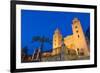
57, 31
57, 39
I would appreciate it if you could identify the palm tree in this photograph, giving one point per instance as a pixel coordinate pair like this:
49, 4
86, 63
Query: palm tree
42, 40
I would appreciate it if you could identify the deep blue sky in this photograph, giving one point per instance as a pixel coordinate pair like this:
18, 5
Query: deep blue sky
44, 23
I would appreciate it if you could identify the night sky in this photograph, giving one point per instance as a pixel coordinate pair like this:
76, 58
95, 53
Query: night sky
44, 23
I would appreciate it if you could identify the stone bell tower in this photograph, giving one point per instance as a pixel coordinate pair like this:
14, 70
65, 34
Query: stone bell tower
57, 41
79, 38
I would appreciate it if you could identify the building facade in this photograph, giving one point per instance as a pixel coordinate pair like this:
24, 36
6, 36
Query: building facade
77, 40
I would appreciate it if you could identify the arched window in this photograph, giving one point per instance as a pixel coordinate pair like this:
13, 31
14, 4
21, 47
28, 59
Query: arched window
69, 52
81, 52
78, 36
77, 31
78, 50
75, 26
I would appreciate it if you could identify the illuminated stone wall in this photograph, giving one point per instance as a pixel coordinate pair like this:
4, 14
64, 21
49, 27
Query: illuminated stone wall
77, 40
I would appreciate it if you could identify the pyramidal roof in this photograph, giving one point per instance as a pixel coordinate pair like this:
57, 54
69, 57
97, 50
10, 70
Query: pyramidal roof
57, 31
75, 20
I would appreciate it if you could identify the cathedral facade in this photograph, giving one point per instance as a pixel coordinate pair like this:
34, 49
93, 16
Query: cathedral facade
76, 41
71, 47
